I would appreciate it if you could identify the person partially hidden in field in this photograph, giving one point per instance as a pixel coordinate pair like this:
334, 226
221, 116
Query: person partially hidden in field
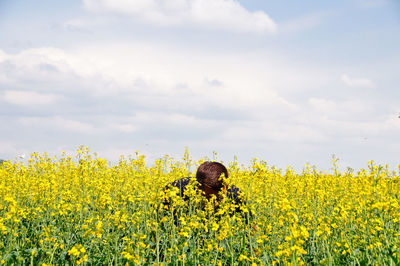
210, 181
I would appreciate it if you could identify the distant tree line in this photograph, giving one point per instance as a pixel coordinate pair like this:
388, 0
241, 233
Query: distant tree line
2, 161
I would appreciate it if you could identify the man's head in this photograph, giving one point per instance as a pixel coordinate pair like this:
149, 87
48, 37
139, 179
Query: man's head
209, 175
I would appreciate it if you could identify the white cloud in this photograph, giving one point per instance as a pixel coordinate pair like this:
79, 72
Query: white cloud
172, 97
6, 147
173, 120
350, 120
261, 131
305, 22
357, 81
26, 98
393, 122
142, 70
57, 123
181, 75
148, 120
58, 58
343, 110
344, 129
125, 128
212, 14
45, 65
323, 105
3, 56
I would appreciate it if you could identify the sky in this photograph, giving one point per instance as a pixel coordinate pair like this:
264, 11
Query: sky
287, 82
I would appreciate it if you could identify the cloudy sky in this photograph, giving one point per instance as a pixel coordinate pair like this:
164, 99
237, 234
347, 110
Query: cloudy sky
289, 82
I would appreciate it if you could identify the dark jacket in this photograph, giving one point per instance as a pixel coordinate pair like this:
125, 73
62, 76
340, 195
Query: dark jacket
232, 192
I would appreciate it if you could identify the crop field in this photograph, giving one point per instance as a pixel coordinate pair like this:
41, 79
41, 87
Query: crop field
81, 209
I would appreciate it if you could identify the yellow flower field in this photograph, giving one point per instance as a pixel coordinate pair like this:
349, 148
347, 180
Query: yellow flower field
82, 209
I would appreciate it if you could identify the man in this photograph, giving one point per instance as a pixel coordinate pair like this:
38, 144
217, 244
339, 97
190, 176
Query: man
210, 177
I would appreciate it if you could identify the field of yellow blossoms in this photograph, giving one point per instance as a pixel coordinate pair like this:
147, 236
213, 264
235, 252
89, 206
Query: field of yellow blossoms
81, 209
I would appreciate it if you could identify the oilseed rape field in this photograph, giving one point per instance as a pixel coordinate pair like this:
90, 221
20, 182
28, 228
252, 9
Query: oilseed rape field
83, 210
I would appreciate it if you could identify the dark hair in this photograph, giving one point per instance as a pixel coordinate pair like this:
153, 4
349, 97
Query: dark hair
209, 174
